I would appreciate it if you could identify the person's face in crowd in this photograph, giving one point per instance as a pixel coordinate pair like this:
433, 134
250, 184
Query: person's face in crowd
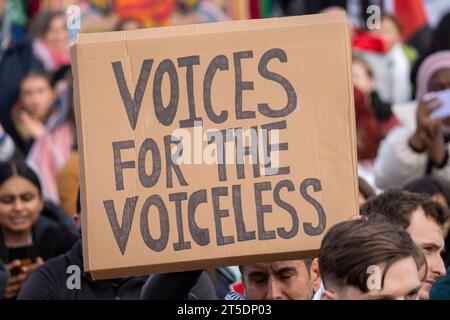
2, 7
36, 96
439, 81
401, 282
281, 280
361, 78
389, 32
57, 36
131, 25
20, 204
429, 237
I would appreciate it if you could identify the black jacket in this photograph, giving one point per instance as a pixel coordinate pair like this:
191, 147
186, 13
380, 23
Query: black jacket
53, 234
15, 63
4, 277
189, 285
50, 282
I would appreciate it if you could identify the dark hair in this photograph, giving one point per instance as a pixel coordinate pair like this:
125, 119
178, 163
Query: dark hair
78, 204
41, 22
18, 168
440, 39
67, 104
425, 185
71, 114
365, 188
38, 73
396, 206
63, 72
350, 247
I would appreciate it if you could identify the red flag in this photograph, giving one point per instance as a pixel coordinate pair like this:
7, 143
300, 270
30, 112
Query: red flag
369, 42
238, 287
411, 15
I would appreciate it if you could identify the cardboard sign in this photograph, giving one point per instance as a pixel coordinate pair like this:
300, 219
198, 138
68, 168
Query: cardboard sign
214, 144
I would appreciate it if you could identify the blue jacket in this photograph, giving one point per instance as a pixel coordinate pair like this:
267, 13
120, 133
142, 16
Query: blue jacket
441, 288
15, 63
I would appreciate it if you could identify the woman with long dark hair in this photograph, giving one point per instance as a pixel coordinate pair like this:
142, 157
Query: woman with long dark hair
31, 231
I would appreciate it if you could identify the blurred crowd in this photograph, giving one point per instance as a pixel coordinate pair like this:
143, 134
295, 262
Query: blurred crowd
400, 67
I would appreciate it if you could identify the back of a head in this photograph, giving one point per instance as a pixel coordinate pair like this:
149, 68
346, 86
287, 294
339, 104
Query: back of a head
41, 23
425, 185
396, 207
351, 247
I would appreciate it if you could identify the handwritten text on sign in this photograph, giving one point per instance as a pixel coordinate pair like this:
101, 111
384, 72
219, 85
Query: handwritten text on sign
161, 153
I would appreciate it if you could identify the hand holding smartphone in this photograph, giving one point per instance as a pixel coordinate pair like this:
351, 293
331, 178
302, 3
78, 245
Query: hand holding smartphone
25, 254
443, 98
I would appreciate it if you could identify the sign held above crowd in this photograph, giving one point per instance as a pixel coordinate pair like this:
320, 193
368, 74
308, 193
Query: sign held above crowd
214, 144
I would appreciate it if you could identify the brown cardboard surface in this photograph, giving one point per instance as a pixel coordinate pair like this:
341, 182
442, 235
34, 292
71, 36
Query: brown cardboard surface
298, 64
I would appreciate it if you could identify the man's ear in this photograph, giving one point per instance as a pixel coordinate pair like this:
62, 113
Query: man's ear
328, 295
241, 270
315, 275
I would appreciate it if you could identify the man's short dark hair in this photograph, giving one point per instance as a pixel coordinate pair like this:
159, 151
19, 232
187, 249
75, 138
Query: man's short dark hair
306, 261
350, 247
396, 206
